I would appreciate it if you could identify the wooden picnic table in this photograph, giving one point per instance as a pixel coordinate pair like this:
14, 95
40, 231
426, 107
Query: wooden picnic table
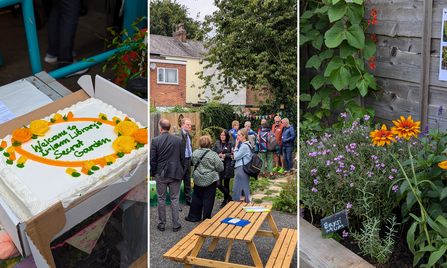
217, 230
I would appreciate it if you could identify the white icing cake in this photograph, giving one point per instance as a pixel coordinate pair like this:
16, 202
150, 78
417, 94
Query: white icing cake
40, 184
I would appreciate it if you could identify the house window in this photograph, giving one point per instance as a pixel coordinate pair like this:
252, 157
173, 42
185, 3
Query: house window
167, 75
227, 82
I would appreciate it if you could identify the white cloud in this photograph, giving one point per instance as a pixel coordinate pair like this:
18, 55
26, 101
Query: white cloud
205, 7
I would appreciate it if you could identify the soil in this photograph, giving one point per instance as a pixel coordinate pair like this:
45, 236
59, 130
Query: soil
402, 257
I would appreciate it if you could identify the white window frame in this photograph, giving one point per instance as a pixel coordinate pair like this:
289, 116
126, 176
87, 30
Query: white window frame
162, 69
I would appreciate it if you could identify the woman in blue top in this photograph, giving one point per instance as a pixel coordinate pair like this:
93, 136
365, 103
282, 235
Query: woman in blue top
243, 154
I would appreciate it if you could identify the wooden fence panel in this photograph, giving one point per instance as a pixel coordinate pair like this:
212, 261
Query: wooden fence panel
174, 119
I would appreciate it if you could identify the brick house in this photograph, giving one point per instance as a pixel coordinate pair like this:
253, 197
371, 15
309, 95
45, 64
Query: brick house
167, 82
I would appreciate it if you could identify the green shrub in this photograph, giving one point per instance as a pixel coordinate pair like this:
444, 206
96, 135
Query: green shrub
288, 198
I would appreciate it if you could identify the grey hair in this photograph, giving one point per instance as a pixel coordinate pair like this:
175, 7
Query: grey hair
285, 120
247, 123
276, 117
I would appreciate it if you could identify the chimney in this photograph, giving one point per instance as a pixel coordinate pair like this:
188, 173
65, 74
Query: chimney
180, 32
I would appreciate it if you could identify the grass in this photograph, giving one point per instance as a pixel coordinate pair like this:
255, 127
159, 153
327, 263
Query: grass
270, 192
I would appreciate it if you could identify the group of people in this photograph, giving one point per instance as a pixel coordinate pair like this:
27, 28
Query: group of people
172, 156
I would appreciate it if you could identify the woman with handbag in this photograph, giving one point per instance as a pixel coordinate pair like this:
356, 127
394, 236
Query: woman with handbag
242, 156
207, 166
223, 149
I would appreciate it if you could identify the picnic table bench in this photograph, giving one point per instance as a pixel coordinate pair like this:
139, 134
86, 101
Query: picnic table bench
187, 249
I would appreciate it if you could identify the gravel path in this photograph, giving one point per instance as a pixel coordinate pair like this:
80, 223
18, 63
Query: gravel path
161, 242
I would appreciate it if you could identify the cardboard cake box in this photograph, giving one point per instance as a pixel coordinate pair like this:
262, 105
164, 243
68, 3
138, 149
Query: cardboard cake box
34, 235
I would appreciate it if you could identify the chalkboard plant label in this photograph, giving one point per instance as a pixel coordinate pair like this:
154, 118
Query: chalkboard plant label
334, 222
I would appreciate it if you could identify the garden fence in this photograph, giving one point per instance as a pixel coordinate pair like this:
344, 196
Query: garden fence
174, 119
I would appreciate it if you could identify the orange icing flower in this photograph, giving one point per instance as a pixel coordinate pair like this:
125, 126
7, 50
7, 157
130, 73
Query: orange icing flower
4, 144
102, 116
140, 135
22, 159
116, 119
126, 128
89, 164
22, 134
12, 156
39, 127
85, 170
57, 116
70, 115
109, 158
124, 144
11, 149
102, 162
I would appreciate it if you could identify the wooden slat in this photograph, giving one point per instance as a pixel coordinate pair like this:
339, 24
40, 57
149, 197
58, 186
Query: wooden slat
257, 224
315, 251
220, 229
211, 263
254, 254
291, 249
277, 248
229, 227
282, 252
237, 229
273, 225
213, 244
265, 233
221, 215
141, 262
227, 257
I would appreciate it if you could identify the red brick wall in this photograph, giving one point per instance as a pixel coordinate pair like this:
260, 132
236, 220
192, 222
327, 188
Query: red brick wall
168, 94
253, 97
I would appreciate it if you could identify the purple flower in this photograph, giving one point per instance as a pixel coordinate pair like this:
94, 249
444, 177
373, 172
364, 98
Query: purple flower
352, 167
348, 205
328, 163
377, 161
367, 117
342, 165
377, 166
316, 181
382, 164
314, 190
440, 110
390, 177
313, 154
319, 153
352, 184
338, 170
394, 170
343, 115
345, 234
333, 145
353, 145
314, 140
356, 154
345, 175
348, 150
369, 173
375, 157
395, 188
400, 149
328, 175
355, 123
313, 171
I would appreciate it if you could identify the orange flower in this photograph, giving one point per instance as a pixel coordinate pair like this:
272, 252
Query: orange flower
406, 128
380, 137
4, 145
22, 134
12, 156
70, 115
140, 135
443, 165
124, 144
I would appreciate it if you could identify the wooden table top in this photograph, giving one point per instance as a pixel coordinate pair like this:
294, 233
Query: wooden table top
215, 228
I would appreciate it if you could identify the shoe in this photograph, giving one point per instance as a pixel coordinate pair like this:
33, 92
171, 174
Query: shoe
272, 177
187, 218
53, 59
275, 168
224, 203
180, 209
83, 71
188, 203
176, 229
281, 170
160, 228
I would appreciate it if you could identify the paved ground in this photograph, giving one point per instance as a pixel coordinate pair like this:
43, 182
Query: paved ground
161, 242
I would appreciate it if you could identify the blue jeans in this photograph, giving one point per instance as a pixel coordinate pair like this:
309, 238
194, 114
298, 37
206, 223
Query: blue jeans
287, 154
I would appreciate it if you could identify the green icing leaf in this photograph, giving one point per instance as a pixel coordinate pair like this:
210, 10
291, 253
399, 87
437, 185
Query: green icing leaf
119, 134
75, 174
90, 172
9, 162
95, 168
117, 121
20, 165
15, 143
52, 120
120, 154
103, 117
6, 154
109, 163
65, 118
1, 149
34, 137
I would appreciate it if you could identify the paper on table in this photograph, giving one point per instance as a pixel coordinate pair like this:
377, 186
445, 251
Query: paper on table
5, 113
21, 97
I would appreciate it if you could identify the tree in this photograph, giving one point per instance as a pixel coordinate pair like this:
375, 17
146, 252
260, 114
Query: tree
255, 44
164, 14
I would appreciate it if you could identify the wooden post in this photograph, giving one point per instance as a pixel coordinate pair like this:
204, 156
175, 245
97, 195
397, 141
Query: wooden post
425, 59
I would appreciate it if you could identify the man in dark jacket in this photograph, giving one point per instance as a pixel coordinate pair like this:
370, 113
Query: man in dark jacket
167, 158
187, 146
288, 138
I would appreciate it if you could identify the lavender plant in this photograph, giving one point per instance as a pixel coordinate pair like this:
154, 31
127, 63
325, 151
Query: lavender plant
334, 166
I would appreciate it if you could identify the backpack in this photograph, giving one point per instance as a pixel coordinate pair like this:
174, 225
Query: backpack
271, 142
253, 167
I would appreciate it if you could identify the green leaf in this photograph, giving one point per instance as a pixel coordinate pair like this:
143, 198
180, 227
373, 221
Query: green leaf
322, 23
348, 94
307, 14
435, 209
435, 256
346, 49
355, 36
358, 1
443, 194
326, 54
326, 104
428, 248
104, 68
435, 171
318, 42
355, 13
335, 35
370, 79
321, 10
442, 221
319, 114
337, 102
362, 85
315, 101
340, 77
304, 83
433, 224
325, 92
337, 11
411, 199
350, 61
439, 158
369, 49
417, 257
314, 61
303, 39
411, 236
332, 65
305, 97
360, 64
353, 82
317, 81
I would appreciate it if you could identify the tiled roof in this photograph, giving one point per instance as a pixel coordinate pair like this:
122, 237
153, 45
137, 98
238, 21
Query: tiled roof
171, 46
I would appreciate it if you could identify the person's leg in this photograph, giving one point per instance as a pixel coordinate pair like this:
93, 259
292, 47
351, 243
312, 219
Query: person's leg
286, 164
195, 211
262, 157
209, 195
70, 10
226, 183
276, 159
187, 182
269, 159
174, 191
53, 29
221, 187
288, 158
161, 196
237, 183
